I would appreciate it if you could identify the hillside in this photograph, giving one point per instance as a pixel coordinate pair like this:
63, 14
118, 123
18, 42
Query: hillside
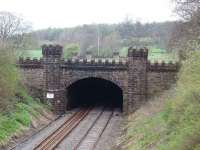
107, 38
170, 122
19, 112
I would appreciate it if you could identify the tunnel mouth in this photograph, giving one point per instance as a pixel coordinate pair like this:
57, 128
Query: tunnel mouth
93, 92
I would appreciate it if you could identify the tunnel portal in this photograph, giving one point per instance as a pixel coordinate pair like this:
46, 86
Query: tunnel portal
94, 92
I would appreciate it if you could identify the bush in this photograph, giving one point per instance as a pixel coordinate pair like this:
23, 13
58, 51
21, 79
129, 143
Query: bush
8, 77
70, 49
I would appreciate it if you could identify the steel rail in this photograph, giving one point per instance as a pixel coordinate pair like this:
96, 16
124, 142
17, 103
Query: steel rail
65, 129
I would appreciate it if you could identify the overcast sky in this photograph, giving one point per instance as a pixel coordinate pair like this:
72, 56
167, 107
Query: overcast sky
68, 13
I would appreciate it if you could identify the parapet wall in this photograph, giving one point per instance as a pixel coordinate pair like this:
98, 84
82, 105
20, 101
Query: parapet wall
38, 63
29, 63
95, 64
163, 66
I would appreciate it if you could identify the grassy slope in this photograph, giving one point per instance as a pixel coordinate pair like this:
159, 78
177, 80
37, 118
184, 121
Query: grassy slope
175, 125
19, 118
17, 109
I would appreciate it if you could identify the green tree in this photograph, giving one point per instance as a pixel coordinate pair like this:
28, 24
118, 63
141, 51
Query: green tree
70, 49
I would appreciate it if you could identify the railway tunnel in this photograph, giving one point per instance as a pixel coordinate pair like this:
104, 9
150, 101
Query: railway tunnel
90, 92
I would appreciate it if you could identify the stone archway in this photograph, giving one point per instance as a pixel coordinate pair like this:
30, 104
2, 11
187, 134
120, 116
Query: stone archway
92, 91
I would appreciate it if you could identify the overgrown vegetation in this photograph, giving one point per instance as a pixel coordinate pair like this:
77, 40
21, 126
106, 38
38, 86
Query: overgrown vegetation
9, 78
176, 125
16, 106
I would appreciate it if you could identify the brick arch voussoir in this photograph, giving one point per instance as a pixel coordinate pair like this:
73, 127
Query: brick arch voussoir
116, 82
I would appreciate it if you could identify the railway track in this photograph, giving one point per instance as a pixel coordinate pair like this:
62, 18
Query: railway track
91, 138
88, 140
58, 135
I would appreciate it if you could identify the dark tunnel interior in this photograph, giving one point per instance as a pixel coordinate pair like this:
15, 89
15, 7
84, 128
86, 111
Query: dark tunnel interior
94, 92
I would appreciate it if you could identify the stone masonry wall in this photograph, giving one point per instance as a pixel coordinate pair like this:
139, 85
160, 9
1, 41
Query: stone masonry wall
160, 77
32, 77
31, 72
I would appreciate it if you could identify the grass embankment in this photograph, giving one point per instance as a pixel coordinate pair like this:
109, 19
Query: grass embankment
172, 123
16, 121
17, 109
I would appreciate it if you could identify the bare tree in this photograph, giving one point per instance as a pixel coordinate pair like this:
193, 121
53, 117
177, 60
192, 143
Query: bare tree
11, 25
187, 9
185, 36
111, 42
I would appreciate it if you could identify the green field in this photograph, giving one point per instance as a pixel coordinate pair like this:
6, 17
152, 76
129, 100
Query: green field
37, 53
155, 54
159, 55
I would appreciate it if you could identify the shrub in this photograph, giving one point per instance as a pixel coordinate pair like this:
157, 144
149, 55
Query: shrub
8, 77
70, 49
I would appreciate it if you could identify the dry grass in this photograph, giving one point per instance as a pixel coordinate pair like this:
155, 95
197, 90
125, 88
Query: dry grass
152, 107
